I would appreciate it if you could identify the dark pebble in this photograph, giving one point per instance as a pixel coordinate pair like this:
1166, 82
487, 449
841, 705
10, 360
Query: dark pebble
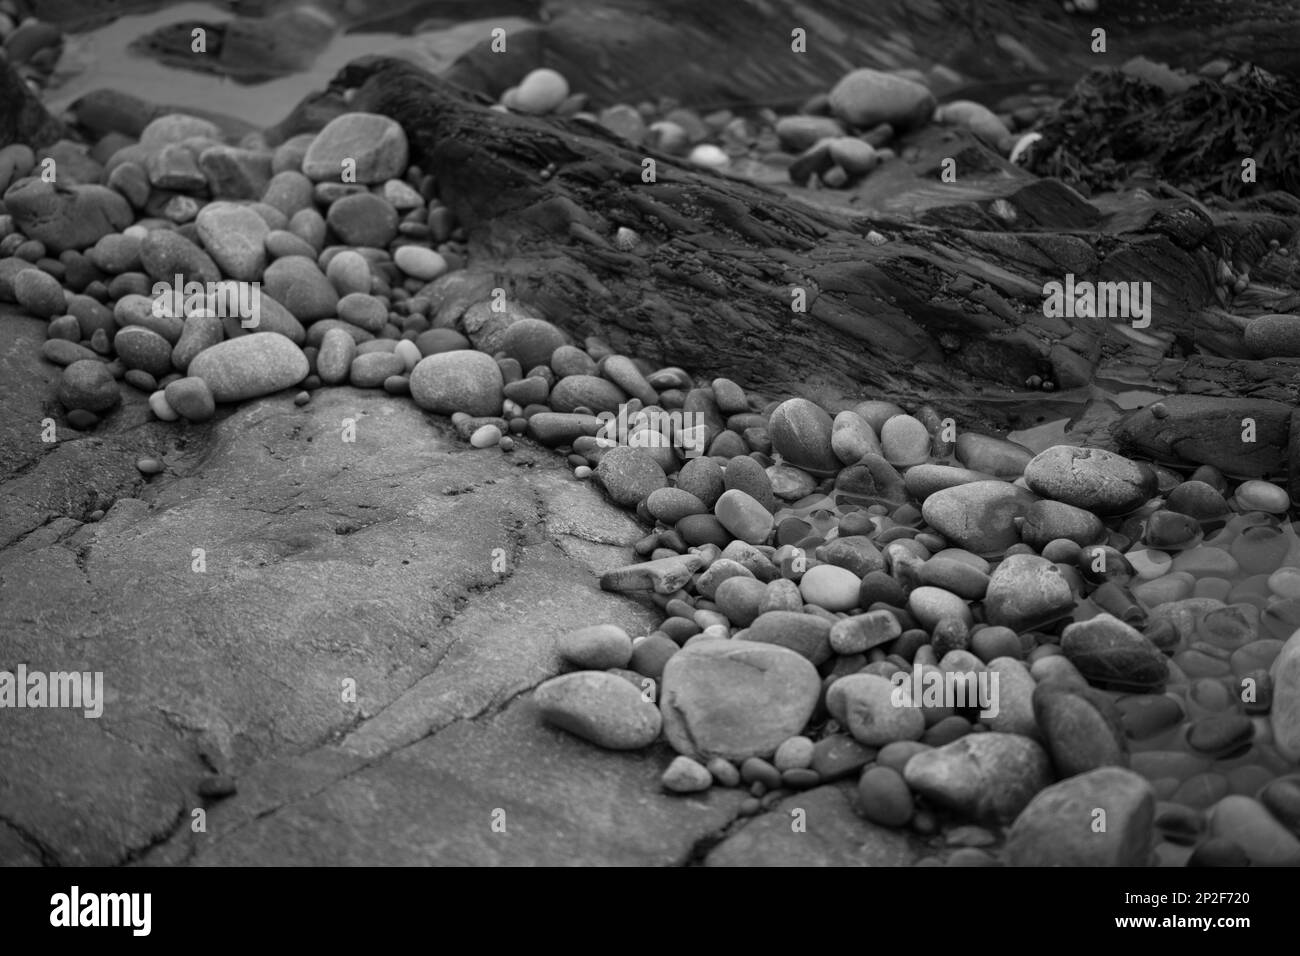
758, 770
1221, 735
1146, 715
703, 529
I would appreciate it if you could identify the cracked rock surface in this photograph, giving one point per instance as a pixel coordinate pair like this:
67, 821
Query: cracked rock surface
235, 600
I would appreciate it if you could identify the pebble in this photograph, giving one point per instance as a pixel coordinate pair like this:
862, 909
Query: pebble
39, 293
419, 262
629, 475
1056, 828
1027, 592
161, 409
149, 466
905, 441
249, 366
931, 605
1047, 521
1198, 499
349, 272
865, 703
586, 391
141, 348
1285, 716
89, 385
830, 587
371, 369
862, 632
462, 380
1281, 797
1248, 824
741, 599
685, 775
884, 797
235, 237
796, 753
601, 708
363, 219
541, 91
865, 98
748, 520
1110, 653
736, 699
724, 772
806, 634
69, 217
1262, 496
986, 777
959, 577
1090, 478
978, 516
994, 456
663, 575
485, 436
801, 434
297, 284
191, 399
374, 146
1081, 727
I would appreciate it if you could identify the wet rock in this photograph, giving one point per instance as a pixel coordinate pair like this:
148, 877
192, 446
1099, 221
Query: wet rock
1057, 827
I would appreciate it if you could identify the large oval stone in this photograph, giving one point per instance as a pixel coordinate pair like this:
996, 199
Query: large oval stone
736, 699
462, 380
1090, 478
249, 366
1058, 826
979, 515
1026, 592
801, 432
1113, 655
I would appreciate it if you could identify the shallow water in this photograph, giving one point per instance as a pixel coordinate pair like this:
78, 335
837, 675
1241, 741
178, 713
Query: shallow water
102, 57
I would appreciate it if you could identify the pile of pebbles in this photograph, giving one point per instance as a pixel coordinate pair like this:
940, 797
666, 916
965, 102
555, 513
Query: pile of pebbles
1141, 625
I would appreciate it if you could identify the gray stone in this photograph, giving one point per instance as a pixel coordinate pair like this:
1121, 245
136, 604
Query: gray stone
250, 366
600, 708
988, 777
1058, 827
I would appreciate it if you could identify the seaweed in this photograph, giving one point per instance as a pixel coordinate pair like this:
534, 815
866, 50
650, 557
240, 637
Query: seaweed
1115, 128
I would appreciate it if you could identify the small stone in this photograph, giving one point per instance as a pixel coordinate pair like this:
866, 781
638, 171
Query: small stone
601, 708
663, 576
1081, 728
1047, 521
554, 428
372, 148
685, 775
932, 605
363, 219
670, 505
904, 441
1282, 799
597, 647
988, 777
865, 98
191, 399
586, 391
740, 598
629, 475
149, 466
866, 704
795, 753
235, 238
1248, 824
160, 408
420, 263
1285, 716
1262, 496
141, 348
39, 293
830, 587
541, 91
485, 437
859, 634
801, 434
298, 284
88, 384
1056, 827
746, 518
884, 797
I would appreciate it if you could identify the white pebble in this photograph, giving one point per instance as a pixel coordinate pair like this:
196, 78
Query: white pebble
409, 353
160, 407
1149, 564
419, 262
1285, 582
709, 155
582, 471
485, 436
1262, 496
541, 91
